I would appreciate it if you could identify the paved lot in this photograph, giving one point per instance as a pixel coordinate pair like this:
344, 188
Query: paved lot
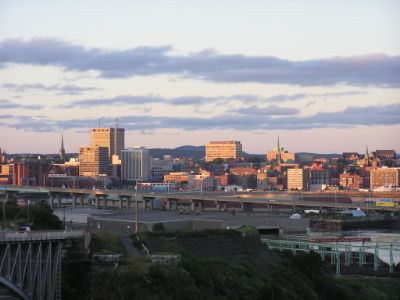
79, 215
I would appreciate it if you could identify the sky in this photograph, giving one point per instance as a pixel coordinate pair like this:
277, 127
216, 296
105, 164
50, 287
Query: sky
324, 76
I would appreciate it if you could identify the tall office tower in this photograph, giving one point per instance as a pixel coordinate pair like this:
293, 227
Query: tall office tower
298, 179
223, 150
93, 161
112, 138
135, 164
62, 149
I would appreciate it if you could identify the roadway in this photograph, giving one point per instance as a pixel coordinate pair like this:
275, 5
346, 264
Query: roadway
273, 199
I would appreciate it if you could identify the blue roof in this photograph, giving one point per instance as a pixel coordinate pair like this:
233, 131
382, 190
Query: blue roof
358, 213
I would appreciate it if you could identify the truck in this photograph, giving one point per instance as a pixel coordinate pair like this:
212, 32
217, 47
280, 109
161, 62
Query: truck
386, 202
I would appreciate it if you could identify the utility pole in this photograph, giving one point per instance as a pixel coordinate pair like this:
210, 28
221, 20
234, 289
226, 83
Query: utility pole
27, 213
64, 217
136, 211
4, 211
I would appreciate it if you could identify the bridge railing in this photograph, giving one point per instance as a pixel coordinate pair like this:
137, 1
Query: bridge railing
11, 236
335, 249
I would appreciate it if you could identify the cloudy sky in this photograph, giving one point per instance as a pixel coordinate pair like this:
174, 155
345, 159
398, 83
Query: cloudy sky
323, 75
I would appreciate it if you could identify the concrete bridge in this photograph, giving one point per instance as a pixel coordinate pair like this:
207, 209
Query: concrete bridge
342, 254
30, 262
195, 201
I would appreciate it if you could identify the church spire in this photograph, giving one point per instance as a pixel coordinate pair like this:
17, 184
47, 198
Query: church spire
366, 154
62, 149
278, 153
279, 147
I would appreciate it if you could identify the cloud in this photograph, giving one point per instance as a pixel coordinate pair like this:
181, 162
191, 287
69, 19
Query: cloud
362, 70
144, 99
192, 100
294, 97
267, 111
126, 100
5, 104
286, 97
60, 89
350, 117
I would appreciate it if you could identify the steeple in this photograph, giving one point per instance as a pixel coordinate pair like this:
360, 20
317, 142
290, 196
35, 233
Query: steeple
279, 147
62, 149
366, 152
278, 154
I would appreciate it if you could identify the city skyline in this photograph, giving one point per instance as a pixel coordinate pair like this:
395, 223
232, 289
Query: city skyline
246, 72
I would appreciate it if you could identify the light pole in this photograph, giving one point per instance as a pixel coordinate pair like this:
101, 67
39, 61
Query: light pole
65, 227
136, 211
4, 211
27, 213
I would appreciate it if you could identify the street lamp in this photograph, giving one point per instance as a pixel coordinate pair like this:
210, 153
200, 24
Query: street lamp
4, 211
136, 211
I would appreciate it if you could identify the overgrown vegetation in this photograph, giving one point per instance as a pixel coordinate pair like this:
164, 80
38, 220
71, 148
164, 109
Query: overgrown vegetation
293, 277
106, 243
38, 216
266, 275
191, 233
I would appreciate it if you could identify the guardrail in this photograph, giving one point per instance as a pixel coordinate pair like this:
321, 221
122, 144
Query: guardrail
334, 251
11, 236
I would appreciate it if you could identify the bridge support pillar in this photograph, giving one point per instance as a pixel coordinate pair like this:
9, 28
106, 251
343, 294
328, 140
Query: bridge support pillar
120, 202
59, 200
148, 204
74, 197
168, 205
247, 207
224, 206
51, 200
129, 200
97, 202
192, 205
82, 200
105, 201
151, 203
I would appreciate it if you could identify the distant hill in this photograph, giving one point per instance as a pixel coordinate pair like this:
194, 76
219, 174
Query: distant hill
324, 155
191, 148
197, 152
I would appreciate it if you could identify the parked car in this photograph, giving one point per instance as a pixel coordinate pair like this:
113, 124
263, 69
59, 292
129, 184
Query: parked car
23, 229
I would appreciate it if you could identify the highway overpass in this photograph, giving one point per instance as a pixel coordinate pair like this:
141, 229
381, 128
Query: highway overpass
211, 200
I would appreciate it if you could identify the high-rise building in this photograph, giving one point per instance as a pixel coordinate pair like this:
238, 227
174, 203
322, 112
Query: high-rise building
319, 179
385, 177
93, 161
30, 172
135, 164
298, 179
159, 168
223, 150
112, 138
